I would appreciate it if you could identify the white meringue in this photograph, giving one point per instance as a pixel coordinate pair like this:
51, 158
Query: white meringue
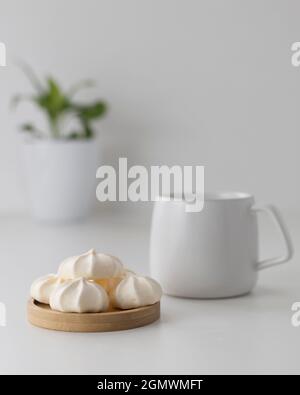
79, 296
136, 291
90, 265
42, 287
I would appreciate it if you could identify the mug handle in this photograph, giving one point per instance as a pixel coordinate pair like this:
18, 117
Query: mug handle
277, 219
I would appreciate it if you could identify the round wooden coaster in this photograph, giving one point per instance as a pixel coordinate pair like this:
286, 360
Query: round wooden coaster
41, 315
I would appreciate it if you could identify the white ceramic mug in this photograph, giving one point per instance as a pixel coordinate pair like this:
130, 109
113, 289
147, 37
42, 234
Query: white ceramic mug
212, 253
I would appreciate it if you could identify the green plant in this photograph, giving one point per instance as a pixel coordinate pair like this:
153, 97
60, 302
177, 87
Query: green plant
57, 105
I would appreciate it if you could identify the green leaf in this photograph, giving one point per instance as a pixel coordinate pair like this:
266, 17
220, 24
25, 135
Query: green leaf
54, 89
92, 111
57, 101
53, 100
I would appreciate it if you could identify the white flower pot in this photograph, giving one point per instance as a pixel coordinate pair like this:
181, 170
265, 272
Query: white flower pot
61, 178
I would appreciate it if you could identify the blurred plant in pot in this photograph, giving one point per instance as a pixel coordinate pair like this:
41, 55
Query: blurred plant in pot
60, 165
57, 104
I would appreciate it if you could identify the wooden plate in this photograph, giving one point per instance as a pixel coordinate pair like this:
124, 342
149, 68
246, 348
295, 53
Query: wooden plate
41, 315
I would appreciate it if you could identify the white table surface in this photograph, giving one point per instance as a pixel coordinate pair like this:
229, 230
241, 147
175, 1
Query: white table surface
251, 334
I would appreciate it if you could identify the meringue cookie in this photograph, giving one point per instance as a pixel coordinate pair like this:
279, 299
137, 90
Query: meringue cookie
90, 265
42, 287
136, 291
79, 296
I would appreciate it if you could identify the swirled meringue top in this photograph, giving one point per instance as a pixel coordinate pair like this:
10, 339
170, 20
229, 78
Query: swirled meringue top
79, 296
136, 291
91, 265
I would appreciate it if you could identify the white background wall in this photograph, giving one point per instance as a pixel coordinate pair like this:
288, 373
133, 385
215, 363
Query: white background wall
189, 82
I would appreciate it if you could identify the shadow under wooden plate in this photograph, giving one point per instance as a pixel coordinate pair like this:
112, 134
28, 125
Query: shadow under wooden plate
41, 315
